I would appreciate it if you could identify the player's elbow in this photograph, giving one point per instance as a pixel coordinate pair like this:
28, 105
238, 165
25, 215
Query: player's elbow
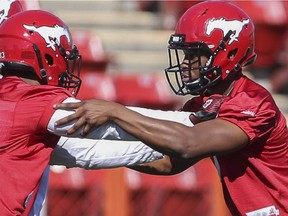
185, 149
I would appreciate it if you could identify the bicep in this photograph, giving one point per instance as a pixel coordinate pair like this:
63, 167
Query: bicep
216, 137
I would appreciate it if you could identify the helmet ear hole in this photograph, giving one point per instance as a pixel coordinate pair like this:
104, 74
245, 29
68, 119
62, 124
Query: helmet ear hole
231, 55
49, 59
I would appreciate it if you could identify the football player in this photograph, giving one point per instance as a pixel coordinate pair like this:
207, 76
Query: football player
237, 122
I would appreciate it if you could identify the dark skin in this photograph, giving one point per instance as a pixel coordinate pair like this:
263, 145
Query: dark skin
184, 145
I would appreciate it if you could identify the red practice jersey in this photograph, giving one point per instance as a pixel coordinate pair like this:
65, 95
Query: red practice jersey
25, 143
255, 178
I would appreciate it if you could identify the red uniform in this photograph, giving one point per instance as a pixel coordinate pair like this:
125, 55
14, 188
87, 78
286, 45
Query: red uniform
254, 178
25, 143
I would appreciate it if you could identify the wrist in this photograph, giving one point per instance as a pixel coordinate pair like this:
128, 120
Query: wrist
117, 112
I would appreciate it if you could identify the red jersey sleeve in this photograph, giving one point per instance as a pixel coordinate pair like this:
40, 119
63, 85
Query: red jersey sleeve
53, 97
254, 114
37, 106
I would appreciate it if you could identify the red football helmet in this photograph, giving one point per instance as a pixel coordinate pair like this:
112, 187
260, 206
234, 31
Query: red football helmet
37, 42
223, 33
9, 8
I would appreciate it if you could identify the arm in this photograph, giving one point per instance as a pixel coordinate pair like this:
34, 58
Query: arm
100, 154
108, 130
105, 131
165, 166
204, 139
94, 153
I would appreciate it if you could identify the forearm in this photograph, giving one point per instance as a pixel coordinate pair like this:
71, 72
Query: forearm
165, 166
109, 130
160, 167
158, 134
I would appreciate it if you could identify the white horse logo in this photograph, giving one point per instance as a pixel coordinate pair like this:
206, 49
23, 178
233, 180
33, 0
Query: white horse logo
51, 35
235, 26
4, 9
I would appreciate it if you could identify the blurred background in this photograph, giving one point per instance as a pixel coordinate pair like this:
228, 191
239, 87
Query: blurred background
124, 49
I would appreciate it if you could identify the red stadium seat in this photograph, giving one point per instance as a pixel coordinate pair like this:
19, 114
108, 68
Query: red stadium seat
74, 192
90, 45
192, 192
145, 90
96, 85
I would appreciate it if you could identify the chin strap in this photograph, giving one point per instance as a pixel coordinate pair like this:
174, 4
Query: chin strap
223, 42
43, 72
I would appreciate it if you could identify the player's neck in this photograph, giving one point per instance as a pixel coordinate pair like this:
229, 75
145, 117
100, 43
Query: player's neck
30, 81
27, 76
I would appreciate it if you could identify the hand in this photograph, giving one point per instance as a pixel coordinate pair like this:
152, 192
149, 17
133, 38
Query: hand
89, 113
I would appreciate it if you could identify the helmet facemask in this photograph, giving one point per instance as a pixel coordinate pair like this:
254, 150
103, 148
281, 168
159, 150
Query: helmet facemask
70, 79
191, 52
